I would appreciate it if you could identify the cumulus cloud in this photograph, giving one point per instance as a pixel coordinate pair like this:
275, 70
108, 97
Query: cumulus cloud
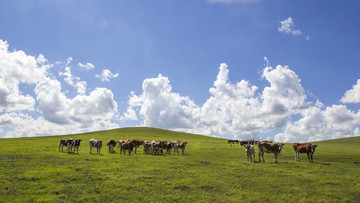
87, 66
239, 109
162, 108
45, 109
15, 68
74, 81
231, 109
352, 95
288, 27
106, 75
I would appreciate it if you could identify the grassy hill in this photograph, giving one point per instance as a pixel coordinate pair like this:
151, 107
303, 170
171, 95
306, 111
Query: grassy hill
32, 170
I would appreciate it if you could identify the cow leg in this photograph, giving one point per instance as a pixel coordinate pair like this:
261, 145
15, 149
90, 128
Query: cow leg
275, 157
309, 156
90, 148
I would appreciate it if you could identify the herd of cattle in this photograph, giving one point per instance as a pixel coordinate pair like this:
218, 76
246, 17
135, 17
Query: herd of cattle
158, 147
269, 147
150, 147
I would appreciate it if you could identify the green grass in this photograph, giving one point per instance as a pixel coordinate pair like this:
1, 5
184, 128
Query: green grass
32, 170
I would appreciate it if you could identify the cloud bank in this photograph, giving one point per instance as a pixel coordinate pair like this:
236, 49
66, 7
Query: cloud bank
34, 102
240, 109
46, 109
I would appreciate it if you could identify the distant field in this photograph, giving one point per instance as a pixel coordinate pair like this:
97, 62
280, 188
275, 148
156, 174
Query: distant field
32, 170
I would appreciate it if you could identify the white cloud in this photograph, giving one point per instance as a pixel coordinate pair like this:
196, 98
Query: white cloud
288, 27
318, 123
76, 82
240, 110
18, 68
106, 75
231, 109
352, 95
87, 66
49, 111
162, 108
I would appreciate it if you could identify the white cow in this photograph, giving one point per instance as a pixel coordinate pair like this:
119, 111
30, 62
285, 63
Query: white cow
250, 152
97, 144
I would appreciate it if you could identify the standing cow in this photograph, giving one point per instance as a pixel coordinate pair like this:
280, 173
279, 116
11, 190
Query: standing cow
97, 144
250, 152
307, 148
265, 147
111, 144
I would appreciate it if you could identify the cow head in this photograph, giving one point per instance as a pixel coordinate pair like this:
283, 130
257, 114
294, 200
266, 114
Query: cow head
280, 146
313, 148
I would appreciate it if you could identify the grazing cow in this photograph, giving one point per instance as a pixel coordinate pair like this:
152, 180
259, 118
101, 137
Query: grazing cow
307, 148
231, 141
250, 152
126, 145
97, 144
73, 144
247, 142
269, 148
63, 142
111, 144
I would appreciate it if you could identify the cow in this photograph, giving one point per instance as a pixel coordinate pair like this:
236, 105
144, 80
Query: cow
63, 142
307, 148
147, 145
137, 144
231, 141
250, 152
111, 144
181, 145
269, 148
247, 142
97, 144
156, 147
73, 144
126, 145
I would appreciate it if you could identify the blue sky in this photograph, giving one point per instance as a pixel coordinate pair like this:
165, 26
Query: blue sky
284, 70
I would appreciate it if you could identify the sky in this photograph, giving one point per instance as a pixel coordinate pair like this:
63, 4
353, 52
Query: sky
245, 69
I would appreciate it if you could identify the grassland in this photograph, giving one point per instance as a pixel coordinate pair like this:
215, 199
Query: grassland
32, 170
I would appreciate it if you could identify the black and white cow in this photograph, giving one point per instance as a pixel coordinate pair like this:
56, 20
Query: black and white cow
73, 144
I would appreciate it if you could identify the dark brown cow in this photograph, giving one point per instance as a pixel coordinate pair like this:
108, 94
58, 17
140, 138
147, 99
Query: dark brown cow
137, 144
126, 145
269, 148
111, 144
307, 148
247, 142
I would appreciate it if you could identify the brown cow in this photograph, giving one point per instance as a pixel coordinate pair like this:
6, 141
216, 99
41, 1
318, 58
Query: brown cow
63, 142
137, 144
269, 148
307, 148
111, 144
126, 145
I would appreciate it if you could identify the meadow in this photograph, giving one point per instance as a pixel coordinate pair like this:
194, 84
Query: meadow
32, 170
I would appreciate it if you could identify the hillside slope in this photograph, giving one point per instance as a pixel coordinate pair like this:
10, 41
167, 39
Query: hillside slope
31, 169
